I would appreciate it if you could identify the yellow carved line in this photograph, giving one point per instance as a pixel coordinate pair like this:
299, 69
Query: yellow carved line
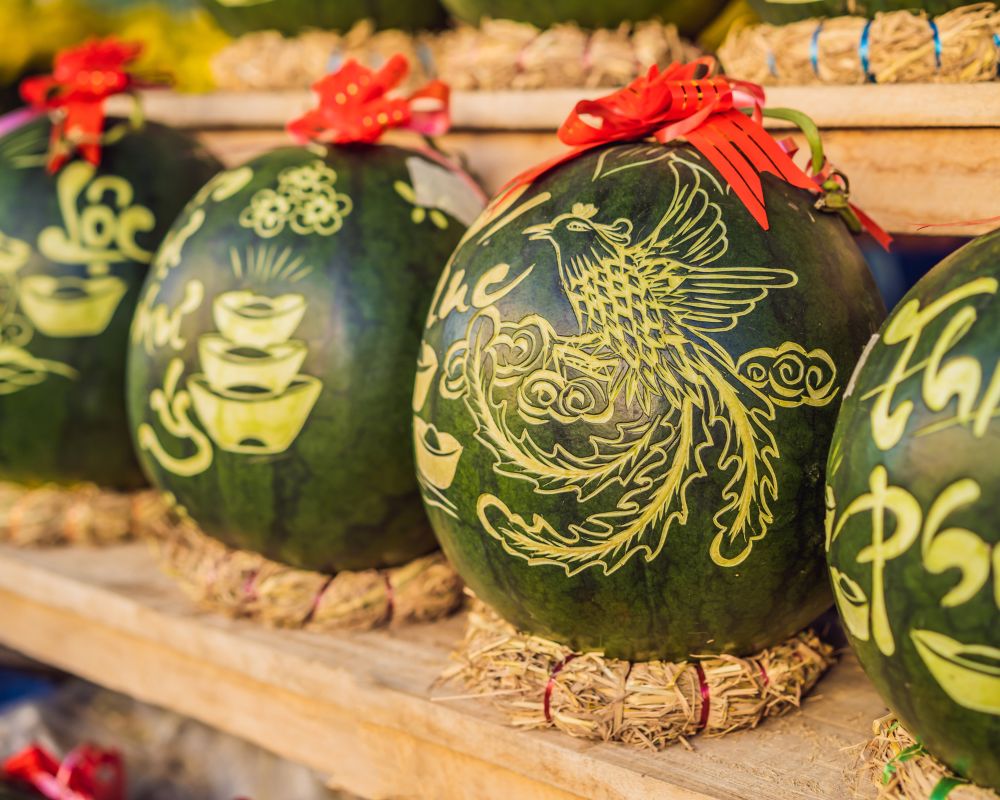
172, 409
540, 543
506, 219
20, 370
169, 255
235, 262
955, 548
907, 373
495, 433
747, 486
278, 266
958, 378
968, 673
784, 374
852, 603
225, 185
24, 140
156, 325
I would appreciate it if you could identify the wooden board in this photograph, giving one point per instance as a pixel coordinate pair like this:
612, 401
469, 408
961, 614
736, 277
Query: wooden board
913, 105
361, 708
902, 178
916, 153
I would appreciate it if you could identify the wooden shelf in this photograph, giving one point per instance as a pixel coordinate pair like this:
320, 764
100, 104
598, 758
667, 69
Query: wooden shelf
916, 153
360, 708
904, 105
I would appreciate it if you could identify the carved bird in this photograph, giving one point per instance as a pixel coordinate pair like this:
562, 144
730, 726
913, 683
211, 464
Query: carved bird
649, 303
651, 306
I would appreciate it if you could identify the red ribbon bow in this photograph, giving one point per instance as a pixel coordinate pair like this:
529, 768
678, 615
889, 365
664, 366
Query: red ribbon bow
354, 106
690, 101
82, 79
87, 773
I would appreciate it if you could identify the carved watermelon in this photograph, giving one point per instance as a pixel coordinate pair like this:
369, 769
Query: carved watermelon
294, 16
625, 396
779, 12
689, 15
74, 250
913, 533
272, 353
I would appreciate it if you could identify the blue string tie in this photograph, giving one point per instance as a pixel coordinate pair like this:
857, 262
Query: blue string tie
863, 48
937, 43
814, 49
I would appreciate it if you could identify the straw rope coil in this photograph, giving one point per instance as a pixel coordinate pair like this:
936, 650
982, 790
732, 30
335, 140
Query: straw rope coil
247, 585
903, 770
52, 515
960, 46
498, 54
538, 683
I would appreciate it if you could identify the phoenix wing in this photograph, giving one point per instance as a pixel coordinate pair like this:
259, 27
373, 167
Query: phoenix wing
676, 260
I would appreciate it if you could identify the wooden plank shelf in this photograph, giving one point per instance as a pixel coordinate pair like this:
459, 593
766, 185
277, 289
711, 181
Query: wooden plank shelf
903, 105
361, 708
916, 153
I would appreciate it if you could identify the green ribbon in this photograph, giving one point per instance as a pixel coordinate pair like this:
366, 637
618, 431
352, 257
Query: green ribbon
835, 188
902, 756
136, 121
944, 787
809, 130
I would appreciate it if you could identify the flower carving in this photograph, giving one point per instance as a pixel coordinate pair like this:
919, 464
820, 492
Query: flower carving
305, 200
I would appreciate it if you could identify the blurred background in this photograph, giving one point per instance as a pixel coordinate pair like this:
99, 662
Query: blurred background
180, 38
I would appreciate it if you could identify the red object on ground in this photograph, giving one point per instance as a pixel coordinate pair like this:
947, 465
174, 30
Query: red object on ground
87, 773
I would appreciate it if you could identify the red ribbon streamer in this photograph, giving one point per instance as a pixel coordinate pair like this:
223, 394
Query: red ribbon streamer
551, 685
13, 120
314, 607
705, 705
959, 222
870, 225
249, 586
87, 773
689, 101
390, 599
354, 106
82, 79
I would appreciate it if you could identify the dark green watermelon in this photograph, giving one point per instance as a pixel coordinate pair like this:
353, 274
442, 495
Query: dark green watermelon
622, 353
780, 12
272, 354
74, 250
689, 15
294, 16
913, 533
11, 791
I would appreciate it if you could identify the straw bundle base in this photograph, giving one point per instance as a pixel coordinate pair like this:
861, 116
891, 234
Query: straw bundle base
497, 54
902, 769
538, 683
50, 515
894, 47
247, 585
